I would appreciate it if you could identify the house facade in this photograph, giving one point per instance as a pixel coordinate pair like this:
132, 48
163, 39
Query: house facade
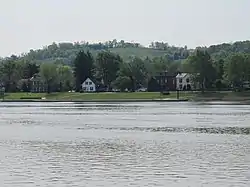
184, 81
37, 85
166, 81
88, 86
2, 89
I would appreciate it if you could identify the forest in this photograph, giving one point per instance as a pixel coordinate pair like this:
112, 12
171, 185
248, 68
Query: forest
121, 65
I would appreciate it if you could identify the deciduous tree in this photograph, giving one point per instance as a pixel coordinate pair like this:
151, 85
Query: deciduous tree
48, 72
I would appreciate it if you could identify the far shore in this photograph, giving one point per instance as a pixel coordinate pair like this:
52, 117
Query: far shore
94, 101
127, 97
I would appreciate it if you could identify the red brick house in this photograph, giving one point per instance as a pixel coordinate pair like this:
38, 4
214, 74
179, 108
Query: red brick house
166, 80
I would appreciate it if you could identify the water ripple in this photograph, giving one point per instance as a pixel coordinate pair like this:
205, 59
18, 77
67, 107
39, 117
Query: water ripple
132, 145
209, 130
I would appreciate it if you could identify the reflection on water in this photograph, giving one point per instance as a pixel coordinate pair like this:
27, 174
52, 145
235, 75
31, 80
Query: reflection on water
131, 144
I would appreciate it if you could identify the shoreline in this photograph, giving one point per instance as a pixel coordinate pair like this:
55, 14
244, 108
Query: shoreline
91, 101
243, 97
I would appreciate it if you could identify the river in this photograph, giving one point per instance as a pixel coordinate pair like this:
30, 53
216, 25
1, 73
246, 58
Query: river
127, 144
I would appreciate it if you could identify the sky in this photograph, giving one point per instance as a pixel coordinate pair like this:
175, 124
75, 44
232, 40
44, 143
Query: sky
32, 24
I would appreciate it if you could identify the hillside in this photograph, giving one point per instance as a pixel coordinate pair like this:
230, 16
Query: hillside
66, 52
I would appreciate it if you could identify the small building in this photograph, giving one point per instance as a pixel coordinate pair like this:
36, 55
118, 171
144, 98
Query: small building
184, 81
166, 80
88, 86
2, 89
37, 85
1, 84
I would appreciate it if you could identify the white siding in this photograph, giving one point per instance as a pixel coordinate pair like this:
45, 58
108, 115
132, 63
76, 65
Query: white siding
88, 86
184, 82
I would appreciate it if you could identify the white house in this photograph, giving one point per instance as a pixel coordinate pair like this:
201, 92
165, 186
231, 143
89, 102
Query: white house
184, 81
88, 86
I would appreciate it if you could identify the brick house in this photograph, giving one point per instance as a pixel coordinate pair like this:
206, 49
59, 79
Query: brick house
166, 80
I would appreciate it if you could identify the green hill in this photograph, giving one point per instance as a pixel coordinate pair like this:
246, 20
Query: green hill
66, 52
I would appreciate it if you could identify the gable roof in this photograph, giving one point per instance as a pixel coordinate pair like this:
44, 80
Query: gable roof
35, 77
181, 75
89, 80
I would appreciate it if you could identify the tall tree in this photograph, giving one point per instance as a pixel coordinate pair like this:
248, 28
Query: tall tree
165, 63
48, 72
65, 77
219, 66
202, 68
237, 69
83, 68
10, 75
107, 66
133, 73
30, 69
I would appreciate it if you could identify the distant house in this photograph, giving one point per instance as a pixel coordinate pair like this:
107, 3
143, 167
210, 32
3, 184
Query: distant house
88, 86
184, 81
166, 80
1, 84
37, 85
2, 89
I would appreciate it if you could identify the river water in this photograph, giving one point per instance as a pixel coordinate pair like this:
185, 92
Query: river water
128, 144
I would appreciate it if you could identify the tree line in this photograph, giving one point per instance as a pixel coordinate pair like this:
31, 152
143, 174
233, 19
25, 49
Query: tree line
111, 71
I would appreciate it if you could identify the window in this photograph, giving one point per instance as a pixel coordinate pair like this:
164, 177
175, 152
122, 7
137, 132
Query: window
84, 88
180, 86
86, 83
91, 88
187, 80
180, 80
90, 83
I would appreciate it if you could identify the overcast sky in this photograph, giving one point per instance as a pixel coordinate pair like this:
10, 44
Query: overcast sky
32, 24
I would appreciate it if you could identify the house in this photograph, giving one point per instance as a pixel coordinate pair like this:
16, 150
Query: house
166, 80
1, 84
88, 86
184, 81
37, 85
2, 89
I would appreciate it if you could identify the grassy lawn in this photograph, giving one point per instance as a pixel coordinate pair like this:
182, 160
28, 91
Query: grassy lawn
65, 96
97, 96
223, 96
21, 95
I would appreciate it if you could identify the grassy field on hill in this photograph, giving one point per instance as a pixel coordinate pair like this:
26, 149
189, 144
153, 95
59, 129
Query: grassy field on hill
125, 53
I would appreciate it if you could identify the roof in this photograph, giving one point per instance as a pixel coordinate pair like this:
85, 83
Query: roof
181, 75
165, 74
88, 79
35, 76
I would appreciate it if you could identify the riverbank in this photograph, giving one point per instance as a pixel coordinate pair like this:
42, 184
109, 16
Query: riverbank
96, 97
222, 96
127, 97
